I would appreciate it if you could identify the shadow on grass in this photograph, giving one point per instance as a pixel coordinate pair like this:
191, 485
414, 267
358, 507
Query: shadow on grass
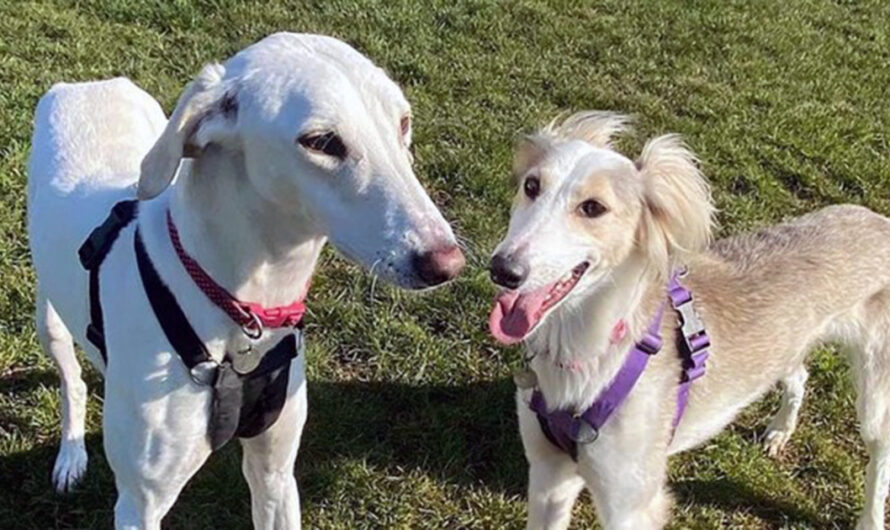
464, 435
461, 435
26, 380
730, 495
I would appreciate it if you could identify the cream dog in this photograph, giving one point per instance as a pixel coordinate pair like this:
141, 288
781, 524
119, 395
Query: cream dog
592, 243
296, 140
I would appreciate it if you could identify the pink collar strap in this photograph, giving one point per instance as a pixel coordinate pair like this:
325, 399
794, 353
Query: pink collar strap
252, 317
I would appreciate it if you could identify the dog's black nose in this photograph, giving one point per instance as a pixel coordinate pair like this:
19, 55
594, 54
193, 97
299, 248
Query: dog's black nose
440, 265
507, 272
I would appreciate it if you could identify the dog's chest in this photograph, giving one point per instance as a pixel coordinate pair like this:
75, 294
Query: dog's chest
246, 376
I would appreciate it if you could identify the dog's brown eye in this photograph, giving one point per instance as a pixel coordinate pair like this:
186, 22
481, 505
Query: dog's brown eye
327, 143
592, 208
532, 187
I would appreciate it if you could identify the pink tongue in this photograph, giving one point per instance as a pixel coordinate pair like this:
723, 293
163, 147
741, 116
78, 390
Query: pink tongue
514, 315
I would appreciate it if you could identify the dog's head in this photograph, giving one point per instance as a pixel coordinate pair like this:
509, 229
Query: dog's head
326, 134
583, 210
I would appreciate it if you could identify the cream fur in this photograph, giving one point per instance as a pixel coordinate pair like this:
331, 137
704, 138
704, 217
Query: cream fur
766, 298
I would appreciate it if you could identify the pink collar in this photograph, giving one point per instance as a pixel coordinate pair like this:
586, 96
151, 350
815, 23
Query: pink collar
252, 318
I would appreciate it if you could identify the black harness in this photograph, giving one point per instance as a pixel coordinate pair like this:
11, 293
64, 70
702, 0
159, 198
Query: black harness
244, 404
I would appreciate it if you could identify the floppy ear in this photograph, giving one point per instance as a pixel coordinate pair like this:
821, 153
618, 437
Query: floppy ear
678, 214
204, 114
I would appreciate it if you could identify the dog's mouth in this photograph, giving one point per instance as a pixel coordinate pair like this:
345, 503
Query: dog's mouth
516, 314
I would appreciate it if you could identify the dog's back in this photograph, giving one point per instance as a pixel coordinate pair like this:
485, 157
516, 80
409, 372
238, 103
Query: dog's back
769, 296
88, 143
92, 135
821, 238
89, 139
803, 272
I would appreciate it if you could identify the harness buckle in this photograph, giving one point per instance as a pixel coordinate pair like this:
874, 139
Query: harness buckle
694, 366
204, 373
92, 252
650, 343
692, 323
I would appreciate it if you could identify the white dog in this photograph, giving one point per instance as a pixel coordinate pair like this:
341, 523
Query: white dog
295, 140
587, 262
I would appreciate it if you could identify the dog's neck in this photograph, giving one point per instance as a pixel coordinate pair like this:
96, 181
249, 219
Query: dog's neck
256, 249
576, 350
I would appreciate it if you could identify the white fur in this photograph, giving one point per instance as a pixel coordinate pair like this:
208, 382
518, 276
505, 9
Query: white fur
252, 205
783, 424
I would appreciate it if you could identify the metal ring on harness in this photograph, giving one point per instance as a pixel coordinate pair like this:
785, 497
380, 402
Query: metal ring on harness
254, 329
582, 432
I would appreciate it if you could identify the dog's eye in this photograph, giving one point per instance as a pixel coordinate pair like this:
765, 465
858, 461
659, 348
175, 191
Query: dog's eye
532, 187
592, 208
327, 143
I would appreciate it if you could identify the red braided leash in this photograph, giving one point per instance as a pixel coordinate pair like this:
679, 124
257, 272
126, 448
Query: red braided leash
250, 316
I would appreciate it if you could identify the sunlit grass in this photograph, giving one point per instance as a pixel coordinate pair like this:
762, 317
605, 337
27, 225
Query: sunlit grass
411, 417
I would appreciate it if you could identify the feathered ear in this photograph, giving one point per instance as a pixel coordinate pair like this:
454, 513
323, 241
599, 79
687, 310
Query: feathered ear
204, 114
678, 213
595, 127
529, 150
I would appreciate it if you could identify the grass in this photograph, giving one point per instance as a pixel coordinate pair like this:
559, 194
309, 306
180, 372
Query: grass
412, 421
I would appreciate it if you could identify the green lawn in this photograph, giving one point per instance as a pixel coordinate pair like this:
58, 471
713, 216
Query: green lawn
412, 422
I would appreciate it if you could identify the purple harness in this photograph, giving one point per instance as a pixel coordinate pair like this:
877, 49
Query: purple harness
566, 429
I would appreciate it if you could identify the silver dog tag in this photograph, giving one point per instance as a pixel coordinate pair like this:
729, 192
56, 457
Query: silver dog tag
246, 360
525, 378
582, 432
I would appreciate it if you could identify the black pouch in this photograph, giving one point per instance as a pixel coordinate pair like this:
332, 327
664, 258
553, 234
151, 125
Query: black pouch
246, 405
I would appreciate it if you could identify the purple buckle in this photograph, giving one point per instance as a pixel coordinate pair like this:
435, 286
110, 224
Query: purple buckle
698, 342
696, 366
679, 295
650, 343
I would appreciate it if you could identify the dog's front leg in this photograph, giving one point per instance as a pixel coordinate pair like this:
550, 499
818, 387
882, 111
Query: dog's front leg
553, 487
553, 481
154, 445
628, 488
268, 461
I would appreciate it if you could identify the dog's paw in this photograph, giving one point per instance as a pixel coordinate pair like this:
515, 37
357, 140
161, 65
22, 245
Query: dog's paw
71, 464
775, 440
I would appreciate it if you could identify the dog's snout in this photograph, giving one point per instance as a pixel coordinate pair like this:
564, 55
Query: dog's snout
507, 271
439, 265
